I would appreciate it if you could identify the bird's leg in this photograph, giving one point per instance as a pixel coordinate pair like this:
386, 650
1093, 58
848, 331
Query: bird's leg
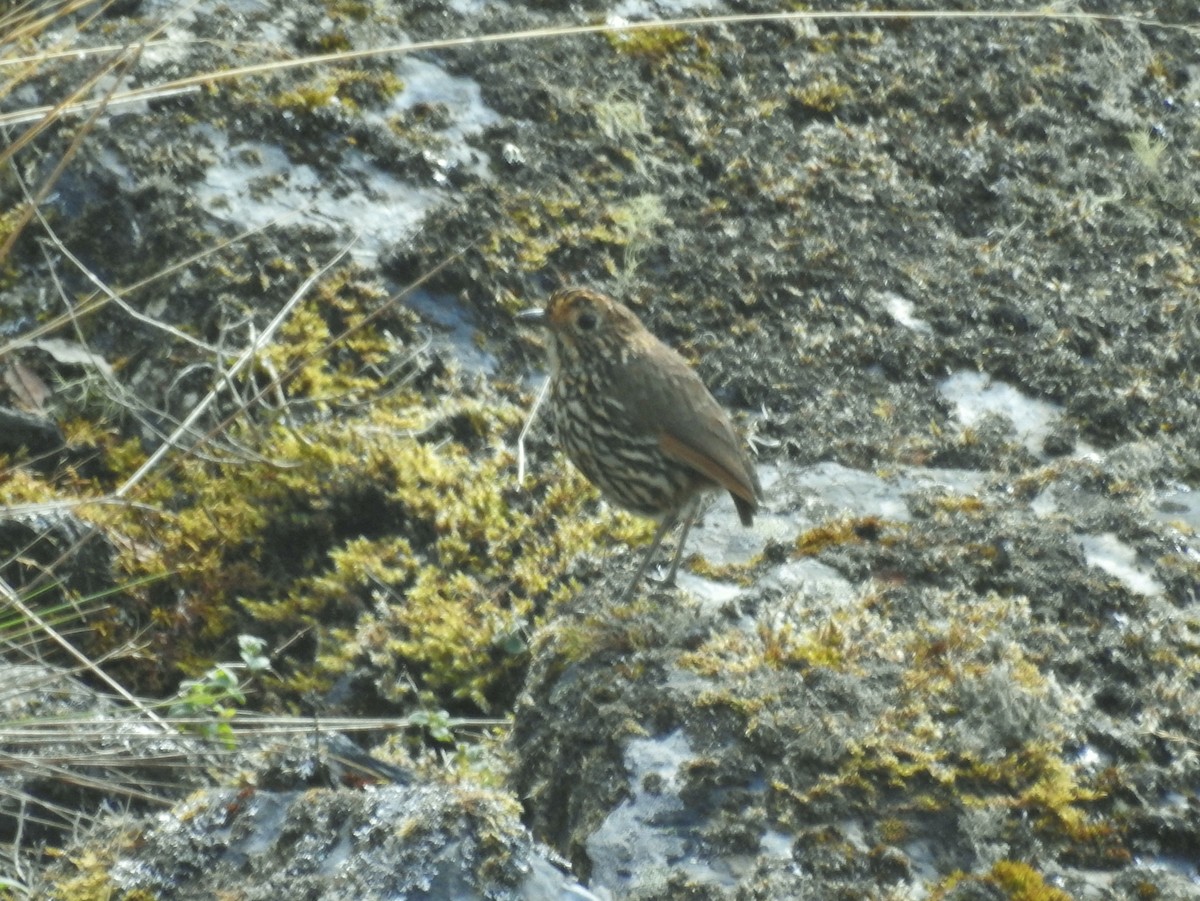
693, 510
664, 527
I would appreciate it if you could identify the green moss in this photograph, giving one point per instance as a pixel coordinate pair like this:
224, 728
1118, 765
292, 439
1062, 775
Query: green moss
968, 504
354, 512
652, 44
748, 708
335, 41
538, 231
1023, 883
85, 877
740, 573
834, 533
618, 629
353, 88
23, 486
533, 230
1019, 882
311, 370
894, 831
918, 754
822, 645
1038, 781
822, 95
307, 97
722, 651
379, 547
353, 10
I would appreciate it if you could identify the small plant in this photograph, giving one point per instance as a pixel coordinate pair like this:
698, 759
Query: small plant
210, 702
436, 722
473, 753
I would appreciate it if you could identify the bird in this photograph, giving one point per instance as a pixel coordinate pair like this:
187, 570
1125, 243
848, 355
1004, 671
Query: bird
635, 418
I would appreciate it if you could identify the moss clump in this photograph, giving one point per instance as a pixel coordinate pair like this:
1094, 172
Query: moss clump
822, 645
353, 88
930, 750
307, 97
739, 573
362, 543
88, 870
835, 533
352, 10
648, 44
534, 230
822, 96
721, 650
1018, 881
540, 231
326, 357
792, 639
353, 507
1039, 782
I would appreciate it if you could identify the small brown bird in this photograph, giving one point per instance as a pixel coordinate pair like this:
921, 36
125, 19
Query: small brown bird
637, 420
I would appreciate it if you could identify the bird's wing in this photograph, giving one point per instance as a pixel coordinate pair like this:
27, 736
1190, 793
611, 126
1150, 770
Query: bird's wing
698, 433
731, 475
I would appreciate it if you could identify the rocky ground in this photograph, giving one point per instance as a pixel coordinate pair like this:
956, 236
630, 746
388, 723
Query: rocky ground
942, 269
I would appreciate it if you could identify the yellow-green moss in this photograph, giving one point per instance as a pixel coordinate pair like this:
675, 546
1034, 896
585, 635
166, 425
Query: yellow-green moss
1019, 882
343, 513
739, 573
894, 831
822, 645
622, 628
533, 228
904, 758
653, 44
721, 651
353, 88
436, 593
968, 504
354, 10
836, 532
749, 708
822, 95
86, 877
1040, 782
307, 97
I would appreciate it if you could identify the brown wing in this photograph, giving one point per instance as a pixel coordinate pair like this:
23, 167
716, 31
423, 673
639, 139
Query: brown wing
691, 426
744, 490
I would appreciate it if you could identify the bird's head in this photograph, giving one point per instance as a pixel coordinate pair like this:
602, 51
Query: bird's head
583, 322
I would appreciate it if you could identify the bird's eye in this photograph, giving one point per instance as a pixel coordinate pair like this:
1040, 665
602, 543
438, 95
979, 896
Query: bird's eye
586, 321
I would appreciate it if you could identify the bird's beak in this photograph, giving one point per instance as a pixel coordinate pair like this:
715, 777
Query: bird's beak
534, 316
